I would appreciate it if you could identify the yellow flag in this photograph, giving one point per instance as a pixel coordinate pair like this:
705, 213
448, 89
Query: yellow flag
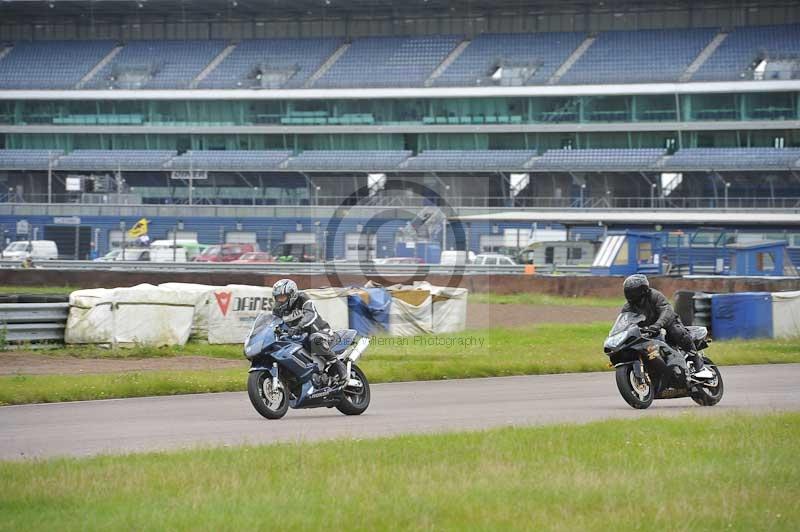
139, 229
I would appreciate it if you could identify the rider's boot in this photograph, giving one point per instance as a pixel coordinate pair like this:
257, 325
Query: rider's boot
699, 371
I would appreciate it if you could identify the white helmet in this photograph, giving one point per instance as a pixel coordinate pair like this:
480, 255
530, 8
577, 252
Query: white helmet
284, 292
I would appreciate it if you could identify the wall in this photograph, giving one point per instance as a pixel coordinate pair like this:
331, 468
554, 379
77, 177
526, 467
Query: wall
498, 284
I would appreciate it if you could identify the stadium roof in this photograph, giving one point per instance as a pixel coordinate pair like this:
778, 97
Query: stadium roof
644, 217
246, 9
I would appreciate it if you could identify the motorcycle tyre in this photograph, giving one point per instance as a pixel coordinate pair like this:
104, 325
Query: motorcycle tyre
349, 409
254, 381
625, 388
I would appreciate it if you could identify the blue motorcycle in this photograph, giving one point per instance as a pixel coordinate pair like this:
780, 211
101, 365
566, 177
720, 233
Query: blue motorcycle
283, 373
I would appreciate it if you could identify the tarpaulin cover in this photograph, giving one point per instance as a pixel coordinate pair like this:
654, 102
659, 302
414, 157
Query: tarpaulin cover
369, 310
411, 312
786, 314
232, 309
140, 315
741, 315
449, 309
202, 298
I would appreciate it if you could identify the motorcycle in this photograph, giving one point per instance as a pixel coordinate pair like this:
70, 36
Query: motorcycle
647, 368
284, 374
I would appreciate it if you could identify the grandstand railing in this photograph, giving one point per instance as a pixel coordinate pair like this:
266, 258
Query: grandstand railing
541, 202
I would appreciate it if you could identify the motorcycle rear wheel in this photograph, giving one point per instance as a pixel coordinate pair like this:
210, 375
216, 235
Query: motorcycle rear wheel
355, 402
639, 396
272, 404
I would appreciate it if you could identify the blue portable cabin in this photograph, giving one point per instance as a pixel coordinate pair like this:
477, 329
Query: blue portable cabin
759, 258
628, 252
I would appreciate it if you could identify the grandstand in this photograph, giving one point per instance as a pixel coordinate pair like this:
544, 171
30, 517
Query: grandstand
490, 105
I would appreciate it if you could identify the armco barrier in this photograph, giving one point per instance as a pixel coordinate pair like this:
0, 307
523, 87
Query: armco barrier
32, 322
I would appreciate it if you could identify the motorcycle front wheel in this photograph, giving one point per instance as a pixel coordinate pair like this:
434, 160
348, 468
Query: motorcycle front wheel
638, 395
356, 398
271, 402
710, 392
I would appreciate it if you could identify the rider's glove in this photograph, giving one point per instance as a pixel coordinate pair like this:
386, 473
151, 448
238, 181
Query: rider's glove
651, 329
294, 331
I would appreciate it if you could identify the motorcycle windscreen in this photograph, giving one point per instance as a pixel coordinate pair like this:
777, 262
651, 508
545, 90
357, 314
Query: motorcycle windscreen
261, 334
624, 321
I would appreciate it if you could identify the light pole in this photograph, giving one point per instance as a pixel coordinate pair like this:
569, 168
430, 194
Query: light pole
255, 192
727, 186
652, 195
583, 191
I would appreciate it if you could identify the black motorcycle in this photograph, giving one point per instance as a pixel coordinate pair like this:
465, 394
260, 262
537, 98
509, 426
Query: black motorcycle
647, 368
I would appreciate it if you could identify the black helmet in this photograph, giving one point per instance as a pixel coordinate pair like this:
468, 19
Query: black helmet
636, 287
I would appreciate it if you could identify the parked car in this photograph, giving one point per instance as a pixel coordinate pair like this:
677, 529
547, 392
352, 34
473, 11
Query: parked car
493, 259
31, 249
288, 252
132, 254
255, 257
225, 252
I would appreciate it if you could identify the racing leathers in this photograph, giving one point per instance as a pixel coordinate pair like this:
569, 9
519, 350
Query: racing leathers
301, 316
659, 314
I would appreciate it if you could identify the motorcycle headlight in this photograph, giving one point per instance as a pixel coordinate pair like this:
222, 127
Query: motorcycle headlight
613, 342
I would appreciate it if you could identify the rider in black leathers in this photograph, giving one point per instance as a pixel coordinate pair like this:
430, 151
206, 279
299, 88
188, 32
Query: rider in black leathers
659, 314
299, 313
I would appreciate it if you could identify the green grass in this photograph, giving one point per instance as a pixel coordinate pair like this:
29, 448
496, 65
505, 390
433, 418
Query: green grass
545, 299
38, 289
686, 473
546, 348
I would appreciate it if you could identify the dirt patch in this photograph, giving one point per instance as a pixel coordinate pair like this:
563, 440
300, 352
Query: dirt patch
487, 315
38, 364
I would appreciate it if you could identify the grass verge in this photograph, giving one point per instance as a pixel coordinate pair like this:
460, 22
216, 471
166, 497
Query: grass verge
688, 473
545, 299
546, 348
49, 290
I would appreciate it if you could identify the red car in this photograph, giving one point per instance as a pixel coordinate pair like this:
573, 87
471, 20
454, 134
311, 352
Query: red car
256, 257
225, 252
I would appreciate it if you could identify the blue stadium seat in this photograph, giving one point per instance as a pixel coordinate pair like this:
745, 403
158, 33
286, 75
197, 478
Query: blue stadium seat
743, 46
546, 50
27, 159
109, 160
50, 64
230, 160
598, 159
389, 61
343, 160
470, 160
644, 56
304, 55
171, 64
733, 159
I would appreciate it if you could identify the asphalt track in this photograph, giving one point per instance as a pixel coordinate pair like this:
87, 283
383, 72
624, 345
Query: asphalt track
187, 421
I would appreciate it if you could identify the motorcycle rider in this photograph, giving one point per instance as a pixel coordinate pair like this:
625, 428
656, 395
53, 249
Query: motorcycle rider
298, 312
659, 314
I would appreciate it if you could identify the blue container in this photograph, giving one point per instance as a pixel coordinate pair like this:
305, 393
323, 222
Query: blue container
370, 318
741, 315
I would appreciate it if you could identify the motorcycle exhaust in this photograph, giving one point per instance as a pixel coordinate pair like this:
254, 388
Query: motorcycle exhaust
360, 347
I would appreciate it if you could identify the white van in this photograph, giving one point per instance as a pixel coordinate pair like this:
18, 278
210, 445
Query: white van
167, 251
35, 249
456, 258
